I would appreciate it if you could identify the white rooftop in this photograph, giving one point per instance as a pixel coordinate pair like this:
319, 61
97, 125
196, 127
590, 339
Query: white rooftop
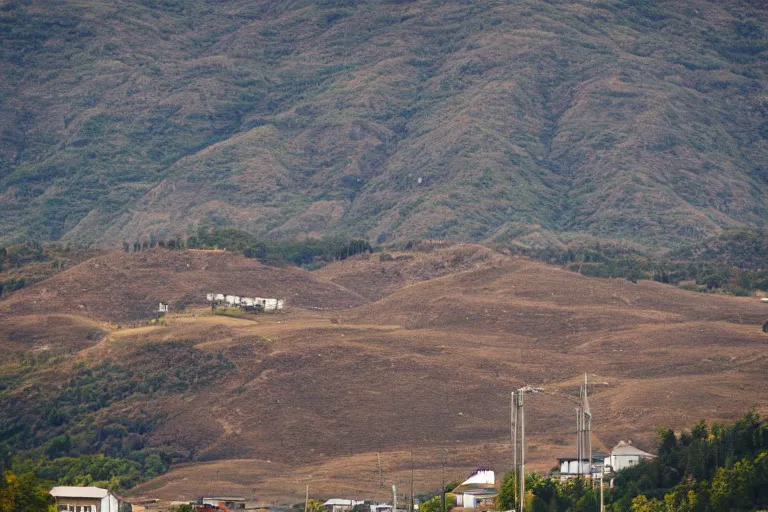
627, 449
79, 492
341, 502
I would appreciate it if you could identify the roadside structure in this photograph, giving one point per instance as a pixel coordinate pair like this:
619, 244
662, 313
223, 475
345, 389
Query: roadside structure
85, 499
625, 455
341, 504
572, 466
223, 502
478, 491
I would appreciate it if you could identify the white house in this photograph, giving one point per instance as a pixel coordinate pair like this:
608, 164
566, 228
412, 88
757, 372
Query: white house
571, 467
477, 490
210, 297
340, 504
625, 455
231, 502
84, 499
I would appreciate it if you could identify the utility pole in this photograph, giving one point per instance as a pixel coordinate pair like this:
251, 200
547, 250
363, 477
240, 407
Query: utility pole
519, 417
394, 498
513, 428
442, 488
306, 499
583, 432
410, 508
602, 495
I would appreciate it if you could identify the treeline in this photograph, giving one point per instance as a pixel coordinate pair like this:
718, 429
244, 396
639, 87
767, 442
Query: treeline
706, 469
735, 262
272, 252
87, 429
24, 493
16, 256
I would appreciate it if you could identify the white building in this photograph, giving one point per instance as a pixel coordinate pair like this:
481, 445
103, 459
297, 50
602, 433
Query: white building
231, 502
84, 499
571, 467
625, 455
477, 490
340, 504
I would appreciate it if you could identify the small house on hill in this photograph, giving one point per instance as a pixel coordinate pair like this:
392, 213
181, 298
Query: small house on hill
86, 499
625, 455
478, 491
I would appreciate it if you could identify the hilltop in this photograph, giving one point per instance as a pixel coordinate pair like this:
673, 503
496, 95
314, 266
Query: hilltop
525, 122
418, 350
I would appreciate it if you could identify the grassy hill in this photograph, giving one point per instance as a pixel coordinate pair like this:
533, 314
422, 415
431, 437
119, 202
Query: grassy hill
417, 351
486, 121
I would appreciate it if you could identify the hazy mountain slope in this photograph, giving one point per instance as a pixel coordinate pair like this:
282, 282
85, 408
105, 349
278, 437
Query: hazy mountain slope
620, 118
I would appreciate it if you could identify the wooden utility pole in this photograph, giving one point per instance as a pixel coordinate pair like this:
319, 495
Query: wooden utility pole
306, 499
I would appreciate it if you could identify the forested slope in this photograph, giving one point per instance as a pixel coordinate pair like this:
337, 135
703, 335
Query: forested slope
392, 120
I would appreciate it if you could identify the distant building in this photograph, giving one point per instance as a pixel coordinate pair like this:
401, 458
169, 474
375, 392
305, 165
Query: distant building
625, 455
163, 307
478, 491
85, 499
223, 502
257, 304
341, 504
571, 467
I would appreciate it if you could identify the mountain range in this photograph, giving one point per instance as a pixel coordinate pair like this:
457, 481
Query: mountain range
499, 121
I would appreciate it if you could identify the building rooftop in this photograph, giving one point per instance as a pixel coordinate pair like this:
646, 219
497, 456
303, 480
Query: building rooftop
79, 492
627, 449
596, 457
341, 502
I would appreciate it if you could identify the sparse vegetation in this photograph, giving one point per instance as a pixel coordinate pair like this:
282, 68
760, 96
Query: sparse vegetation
275, 252
733, 262
90, 429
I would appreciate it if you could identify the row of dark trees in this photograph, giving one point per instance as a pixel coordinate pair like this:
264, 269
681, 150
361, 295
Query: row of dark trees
735, 261
275, 252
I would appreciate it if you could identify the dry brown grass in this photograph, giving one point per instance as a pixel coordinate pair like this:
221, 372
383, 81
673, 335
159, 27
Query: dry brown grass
428, 366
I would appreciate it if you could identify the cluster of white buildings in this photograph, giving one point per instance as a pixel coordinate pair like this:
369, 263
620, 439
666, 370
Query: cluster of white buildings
246, 302
622, 456
345, 505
